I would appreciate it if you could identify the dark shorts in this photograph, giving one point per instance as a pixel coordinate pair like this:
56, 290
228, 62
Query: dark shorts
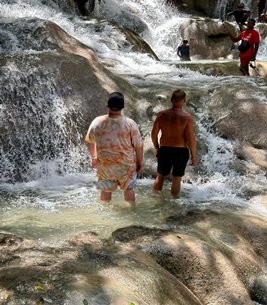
172, 160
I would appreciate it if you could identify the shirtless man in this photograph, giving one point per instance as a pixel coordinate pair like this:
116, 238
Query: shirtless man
176, 142
116, 149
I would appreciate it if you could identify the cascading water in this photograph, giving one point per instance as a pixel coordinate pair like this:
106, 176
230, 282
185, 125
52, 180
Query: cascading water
45, 149
37, 126
47, 189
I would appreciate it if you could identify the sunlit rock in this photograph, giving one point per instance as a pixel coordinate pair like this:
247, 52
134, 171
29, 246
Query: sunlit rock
218, 255
240, 109
86, 269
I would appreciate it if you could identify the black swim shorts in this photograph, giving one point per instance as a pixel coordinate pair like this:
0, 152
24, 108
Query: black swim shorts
172, 158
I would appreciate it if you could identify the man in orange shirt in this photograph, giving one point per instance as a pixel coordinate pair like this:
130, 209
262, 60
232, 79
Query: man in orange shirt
116, 150
177, 142
249, 46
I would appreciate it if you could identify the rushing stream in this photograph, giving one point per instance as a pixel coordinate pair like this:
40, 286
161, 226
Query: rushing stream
48, 191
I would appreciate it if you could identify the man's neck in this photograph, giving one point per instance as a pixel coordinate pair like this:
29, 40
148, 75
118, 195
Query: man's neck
177, 107
114, 114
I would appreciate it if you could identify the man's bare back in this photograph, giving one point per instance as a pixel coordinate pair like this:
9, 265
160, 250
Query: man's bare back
174, 125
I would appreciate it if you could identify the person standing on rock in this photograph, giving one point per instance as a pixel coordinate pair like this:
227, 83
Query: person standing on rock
177, 142
183, 51
116, 148
249, 46
261, 6
241, 16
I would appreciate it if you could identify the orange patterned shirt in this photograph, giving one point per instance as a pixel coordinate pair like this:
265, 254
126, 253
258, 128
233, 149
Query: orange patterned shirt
116, 139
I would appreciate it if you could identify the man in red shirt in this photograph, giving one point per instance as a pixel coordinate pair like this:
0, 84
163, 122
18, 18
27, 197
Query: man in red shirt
249, 46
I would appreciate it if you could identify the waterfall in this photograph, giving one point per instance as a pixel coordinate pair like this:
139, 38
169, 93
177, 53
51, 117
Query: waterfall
41, 129
37, 126
56, 70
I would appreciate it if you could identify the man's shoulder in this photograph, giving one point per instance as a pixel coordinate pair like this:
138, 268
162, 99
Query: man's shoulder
129, 121
256, 34
186, 114
100, 116
165, 111
169, 112
99, 119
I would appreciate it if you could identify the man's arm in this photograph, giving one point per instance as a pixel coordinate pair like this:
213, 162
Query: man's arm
138, 145
154, 134
256, 47
93, 152
139, 151
91, 144
233, 38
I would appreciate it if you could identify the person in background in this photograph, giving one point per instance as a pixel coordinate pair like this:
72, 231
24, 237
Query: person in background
263, 17
261, 7
116, 149
176, 143
183, 51
249, 46
241, 16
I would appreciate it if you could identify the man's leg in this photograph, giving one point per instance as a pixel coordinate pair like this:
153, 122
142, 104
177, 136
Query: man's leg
129, 196
107, 188
244, 65
176, 186
158, 183
105, 196
244, 69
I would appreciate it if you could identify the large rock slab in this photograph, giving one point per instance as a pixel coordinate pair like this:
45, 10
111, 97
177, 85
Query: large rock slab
84, 270
218, 255
207, 256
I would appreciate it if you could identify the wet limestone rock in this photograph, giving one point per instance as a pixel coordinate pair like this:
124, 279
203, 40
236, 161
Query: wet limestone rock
86, 270
217, 255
